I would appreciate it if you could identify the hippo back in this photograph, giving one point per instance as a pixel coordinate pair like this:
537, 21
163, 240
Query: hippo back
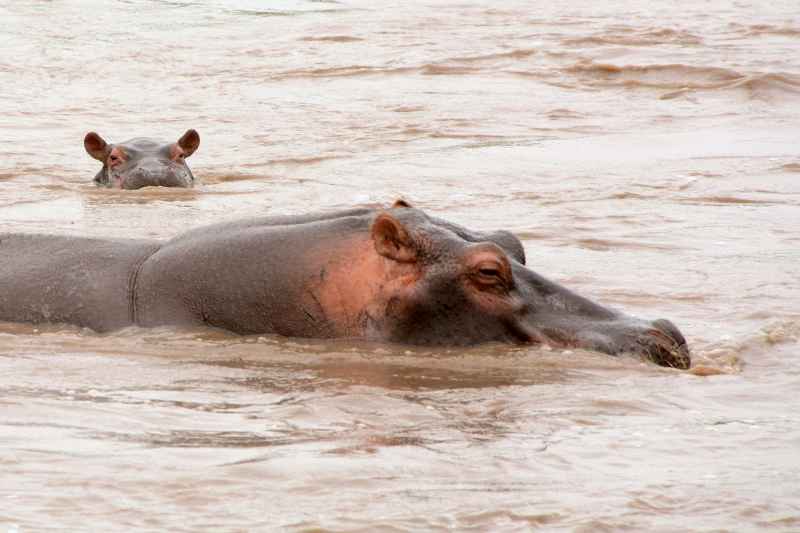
81, 281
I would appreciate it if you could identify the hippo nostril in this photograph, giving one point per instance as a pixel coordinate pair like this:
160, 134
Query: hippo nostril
663, 337
670, 330
664, 350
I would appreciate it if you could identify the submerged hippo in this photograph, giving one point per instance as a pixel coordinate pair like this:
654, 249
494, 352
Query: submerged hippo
143, 162
397, 276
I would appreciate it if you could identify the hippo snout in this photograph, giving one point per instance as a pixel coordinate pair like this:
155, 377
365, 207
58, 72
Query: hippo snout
665, 345
167, 177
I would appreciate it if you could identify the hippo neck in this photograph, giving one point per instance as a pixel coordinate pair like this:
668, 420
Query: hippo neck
370, 280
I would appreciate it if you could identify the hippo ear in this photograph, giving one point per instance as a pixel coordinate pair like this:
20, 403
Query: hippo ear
95, 146
401, 203
189, 142
391, 239
510, 243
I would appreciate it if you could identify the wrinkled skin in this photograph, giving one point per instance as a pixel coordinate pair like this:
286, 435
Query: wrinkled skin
396, 276
143, 162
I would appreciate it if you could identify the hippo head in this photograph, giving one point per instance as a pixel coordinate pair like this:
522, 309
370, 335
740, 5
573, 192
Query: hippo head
143, 162
453, 287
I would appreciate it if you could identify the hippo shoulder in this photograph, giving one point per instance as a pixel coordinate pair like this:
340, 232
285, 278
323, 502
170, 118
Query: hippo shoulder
222, 229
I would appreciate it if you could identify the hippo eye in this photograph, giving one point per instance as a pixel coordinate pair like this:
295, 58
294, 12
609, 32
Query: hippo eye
489, 276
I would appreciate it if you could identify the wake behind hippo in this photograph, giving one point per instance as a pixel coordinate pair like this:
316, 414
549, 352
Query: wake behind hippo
143, 162
396, 276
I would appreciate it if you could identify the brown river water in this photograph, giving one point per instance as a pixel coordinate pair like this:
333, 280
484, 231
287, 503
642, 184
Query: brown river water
647, 153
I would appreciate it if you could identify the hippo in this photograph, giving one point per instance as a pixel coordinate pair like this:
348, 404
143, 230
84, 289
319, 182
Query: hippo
143, 162
392, 275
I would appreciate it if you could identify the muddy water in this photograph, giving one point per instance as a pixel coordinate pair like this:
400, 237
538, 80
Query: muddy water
647, 153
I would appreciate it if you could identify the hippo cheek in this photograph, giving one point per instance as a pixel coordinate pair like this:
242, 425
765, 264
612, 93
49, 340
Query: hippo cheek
508, 316
492, 316
446, 318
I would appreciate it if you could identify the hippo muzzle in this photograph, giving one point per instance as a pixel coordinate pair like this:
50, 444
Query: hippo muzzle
142, 177
665, 345
557, 315
658, 341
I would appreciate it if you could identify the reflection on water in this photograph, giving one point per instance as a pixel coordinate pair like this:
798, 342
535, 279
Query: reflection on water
646, 155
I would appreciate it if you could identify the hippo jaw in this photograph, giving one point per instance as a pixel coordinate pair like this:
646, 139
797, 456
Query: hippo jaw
495, 298
143, 162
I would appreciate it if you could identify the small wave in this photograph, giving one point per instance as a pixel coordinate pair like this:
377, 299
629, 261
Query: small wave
789, 167
779, 332
140, 196
705, 370
725, 354
521, 53
431, 69
680, 93
350, 70
602, 245
438, 70
631, 37
720, 357
333, 38
722, 200
223, 177
408, 109
622, 196
562, 113
482, 140
300, 160
206, 439
674, 76
685, 79
758, 29
453, 66
764, 83
413, 131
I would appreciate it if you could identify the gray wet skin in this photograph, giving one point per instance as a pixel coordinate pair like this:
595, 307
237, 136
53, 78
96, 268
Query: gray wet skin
396, 276
143, 162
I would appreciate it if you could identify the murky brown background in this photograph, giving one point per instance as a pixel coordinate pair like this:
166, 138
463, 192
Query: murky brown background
646, 152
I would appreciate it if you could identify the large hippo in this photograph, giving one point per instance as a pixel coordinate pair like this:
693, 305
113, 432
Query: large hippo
143, 162
390, 275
